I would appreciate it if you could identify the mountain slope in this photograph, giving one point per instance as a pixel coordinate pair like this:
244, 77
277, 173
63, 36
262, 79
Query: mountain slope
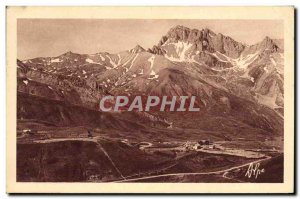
233, 83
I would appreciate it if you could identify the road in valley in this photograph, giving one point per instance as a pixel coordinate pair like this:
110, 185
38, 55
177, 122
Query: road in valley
145, 145
224, 171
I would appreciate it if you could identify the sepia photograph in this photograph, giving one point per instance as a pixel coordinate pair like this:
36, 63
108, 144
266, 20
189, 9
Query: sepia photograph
152, 100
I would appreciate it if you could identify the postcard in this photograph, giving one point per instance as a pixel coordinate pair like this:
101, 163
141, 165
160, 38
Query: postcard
150, 99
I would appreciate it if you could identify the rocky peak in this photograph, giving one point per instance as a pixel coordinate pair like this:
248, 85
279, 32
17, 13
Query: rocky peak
137, 49
267, 44
202, 40
156, 50
178, 33
69, 54
182, 33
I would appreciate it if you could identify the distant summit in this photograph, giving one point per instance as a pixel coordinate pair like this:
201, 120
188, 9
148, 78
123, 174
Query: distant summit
137, 49
202, 40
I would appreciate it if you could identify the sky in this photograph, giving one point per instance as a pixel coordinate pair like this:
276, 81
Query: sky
53, 37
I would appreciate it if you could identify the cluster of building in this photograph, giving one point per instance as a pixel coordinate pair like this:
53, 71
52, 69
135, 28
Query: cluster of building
202, 144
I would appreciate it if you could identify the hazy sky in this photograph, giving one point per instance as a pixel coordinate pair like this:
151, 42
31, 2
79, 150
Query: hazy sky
52, 37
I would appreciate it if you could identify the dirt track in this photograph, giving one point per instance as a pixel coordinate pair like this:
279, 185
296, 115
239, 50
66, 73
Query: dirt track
221, 172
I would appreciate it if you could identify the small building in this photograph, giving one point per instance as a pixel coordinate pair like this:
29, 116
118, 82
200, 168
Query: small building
29, 131
90, 135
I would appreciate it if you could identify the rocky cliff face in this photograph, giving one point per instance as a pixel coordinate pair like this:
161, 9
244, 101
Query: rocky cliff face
200, 40
137, 49
254, 72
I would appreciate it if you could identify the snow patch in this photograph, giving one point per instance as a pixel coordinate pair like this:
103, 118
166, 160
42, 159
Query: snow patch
107, 67
102, 58
55, 60
131, 64
112, 63
181, 49
25, 82
133, 61
266, 69
152, 73
119, 61
273, 61
172, 58
90, 61
151, 60
244, 61
221, 57
128, 60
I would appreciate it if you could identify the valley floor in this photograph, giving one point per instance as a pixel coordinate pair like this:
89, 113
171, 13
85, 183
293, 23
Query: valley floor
71, 155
